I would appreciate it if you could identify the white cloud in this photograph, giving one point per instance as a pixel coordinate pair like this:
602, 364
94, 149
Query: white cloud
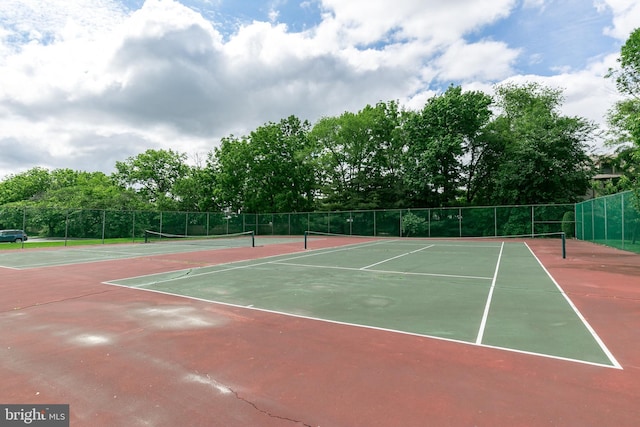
587, 93
486, 60
86, 83
625, 18
44, 21
534, 4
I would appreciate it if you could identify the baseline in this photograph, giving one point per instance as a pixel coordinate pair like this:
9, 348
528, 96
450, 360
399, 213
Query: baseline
368, 327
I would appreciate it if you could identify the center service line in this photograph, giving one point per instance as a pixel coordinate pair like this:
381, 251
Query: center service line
395, 257
483, 323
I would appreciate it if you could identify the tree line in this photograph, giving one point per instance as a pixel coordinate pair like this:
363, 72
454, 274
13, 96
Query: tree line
461, 149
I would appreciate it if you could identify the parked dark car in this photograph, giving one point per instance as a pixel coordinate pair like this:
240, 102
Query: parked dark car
13, 236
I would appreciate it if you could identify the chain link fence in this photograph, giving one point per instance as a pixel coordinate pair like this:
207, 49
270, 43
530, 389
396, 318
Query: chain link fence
434, 222
611, 220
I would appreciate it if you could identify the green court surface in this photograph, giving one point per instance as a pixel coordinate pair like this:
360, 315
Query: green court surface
487, 293
28, 258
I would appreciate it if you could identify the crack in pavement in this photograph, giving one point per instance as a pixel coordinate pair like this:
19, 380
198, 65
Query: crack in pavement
226, 390
269, 414
38, 304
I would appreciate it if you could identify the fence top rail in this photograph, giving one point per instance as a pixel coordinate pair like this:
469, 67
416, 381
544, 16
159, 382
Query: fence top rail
608, 196
421, 209
321, 212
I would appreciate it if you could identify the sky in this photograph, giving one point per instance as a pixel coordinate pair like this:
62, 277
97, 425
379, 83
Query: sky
87, 83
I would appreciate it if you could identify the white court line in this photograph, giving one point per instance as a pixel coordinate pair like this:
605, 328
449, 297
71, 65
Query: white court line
396, 257
485, 315
102, 256
472, 246
54, 263
405, 273
580, 316
232, 266
376, 328
113, 252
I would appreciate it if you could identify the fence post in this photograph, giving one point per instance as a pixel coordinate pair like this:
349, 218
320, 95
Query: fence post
575, 220
24, 222
104, 219
582, 206
622, 205
593, 221
606, 224
375, 227
533, 220
66, 227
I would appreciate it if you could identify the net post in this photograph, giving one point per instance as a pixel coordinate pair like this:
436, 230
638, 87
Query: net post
564, 245
253, 239
306, 233
146, 236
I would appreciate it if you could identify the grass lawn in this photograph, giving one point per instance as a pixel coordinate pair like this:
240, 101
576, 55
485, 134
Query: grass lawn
52, 243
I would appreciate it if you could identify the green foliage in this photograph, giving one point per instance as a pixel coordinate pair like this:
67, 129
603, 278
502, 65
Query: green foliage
269, 171
195, 190
56, 195
627, 76
624, 118
153, 174
24, 186
568, 224
541, 156
452, 152
413, 225
360, 158
445, 146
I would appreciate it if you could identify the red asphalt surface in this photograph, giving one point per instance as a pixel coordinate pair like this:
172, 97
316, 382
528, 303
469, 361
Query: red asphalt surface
127, 357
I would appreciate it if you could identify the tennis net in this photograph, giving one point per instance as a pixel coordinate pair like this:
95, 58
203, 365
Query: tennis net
246, 238
344, 239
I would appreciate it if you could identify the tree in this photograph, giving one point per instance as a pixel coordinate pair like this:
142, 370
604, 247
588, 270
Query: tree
72, 202
25, 185
445, 148
195, 190
153, 174
361, 158
281, 179
230, 163
87, 190
269, 171
624, 118
543, 157
387, 123
627, 77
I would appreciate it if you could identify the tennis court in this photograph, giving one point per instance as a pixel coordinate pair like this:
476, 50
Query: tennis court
348, 331
489, 293
96, 253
